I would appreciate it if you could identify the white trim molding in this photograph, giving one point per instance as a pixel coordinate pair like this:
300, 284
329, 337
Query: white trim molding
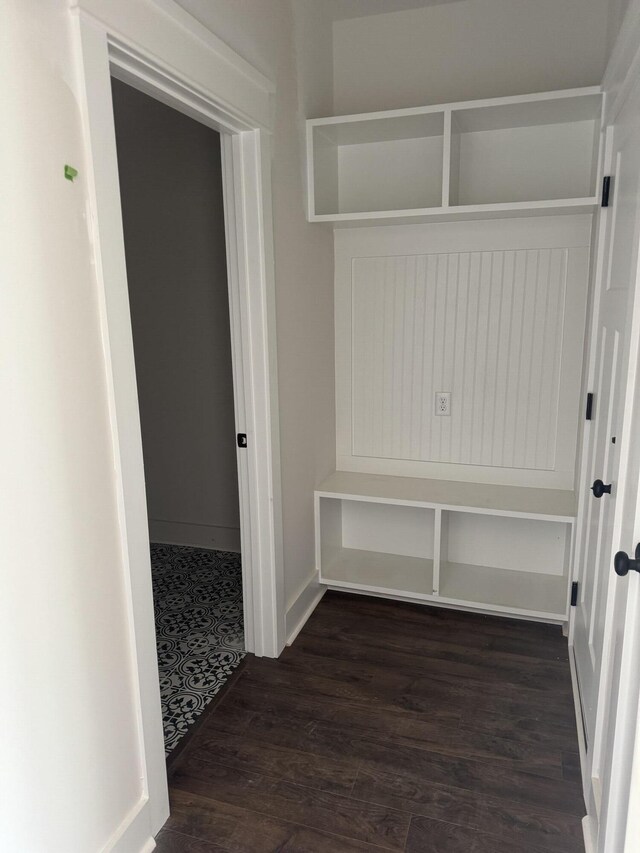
159, 49
167, 37
247, 194
194, 535
589, 831
303, 606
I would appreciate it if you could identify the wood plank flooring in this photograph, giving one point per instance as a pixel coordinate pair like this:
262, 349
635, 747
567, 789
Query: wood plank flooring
388, 726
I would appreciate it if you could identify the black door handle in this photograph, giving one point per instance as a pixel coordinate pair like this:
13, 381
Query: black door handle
599, 489
622, 562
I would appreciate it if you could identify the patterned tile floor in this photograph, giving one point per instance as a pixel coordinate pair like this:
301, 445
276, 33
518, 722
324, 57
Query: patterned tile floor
199, 631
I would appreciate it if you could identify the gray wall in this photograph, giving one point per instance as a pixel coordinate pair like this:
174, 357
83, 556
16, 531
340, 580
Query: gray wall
171, 186
617, 10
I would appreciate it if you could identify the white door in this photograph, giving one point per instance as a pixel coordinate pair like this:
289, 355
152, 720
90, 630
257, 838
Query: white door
602, 622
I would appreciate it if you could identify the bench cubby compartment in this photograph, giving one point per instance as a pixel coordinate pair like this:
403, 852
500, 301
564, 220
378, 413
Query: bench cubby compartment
515, 563
376, 546
499, 549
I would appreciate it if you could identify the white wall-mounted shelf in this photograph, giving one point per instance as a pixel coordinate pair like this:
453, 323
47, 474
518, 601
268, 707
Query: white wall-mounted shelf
521, 155
499, 549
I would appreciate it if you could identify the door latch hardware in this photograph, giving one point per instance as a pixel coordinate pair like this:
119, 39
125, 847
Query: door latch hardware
599, 489
622, 563
242, 439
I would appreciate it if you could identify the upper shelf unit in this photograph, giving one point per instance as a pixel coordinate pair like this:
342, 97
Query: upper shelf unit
518, 155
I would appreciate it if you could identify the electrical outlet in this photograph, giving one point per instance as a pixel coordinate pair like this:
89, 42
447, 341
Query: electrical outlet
443, 403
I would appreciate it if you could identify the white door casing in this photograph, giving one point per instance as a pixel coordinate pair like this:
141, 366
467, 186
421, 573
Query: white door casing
605, 623
194, 72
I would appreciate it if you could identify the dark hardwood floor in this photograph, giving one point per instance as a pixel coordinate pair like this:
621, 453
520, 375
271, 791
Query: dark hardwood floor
388, 726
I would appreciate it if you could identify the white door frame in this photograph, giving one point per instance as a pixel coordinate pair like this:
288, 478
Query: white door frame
104, 50
243, 161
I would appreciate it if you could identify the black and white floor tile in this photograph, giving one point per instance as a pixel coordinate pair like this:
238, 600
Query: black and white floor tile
199, 630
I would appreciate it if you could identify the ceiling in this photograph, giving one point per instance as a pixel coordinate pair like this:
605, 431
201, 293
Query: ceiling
340, 10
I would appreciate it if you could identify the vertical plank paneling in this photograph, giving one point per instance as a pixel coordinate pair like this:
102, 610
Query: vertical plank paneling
397, 345
524, 371
495, 316
486, 326
460, 354
555, 333
536, 397
504, 351
514, 356
419, 342
429, 351
483, 342
440, 343
389, 319
469, 375
451, 335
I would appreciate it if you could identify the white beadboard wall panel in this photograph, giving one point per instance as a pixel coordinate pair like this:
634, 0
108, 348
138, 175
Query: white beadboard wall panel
485, 326
494, 315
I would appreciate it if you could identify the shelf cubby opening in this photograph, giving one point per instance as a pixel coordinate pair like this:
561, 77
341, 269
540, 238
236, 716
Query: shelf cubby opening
378, 164
376, 546
525, 152
505, 562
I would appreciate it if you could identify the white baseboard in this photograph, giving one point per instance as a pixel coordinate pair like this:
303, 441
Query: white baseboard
582, 738
134, 833
305, 603
589, 823
197, 535
589, 832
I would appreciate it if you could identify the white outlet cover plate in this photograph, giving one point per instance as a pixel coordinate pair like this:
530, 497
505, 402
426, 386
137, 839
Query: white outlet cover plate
443, 403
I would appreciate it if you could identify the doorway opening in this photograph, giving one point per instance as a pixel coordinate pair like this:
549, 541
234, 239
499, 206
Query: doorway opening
171, 188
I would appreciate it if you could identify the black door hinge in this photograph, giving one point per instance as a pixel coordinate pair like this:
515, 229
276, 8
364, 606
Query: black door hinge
606, 188
589, 412
574, 593
242, 439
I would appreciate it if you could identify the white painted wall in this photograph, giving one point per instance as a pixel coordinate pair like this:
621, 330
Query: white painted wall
314, 57
71, 757
171, 188
468, 49
263, 33
72, 763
